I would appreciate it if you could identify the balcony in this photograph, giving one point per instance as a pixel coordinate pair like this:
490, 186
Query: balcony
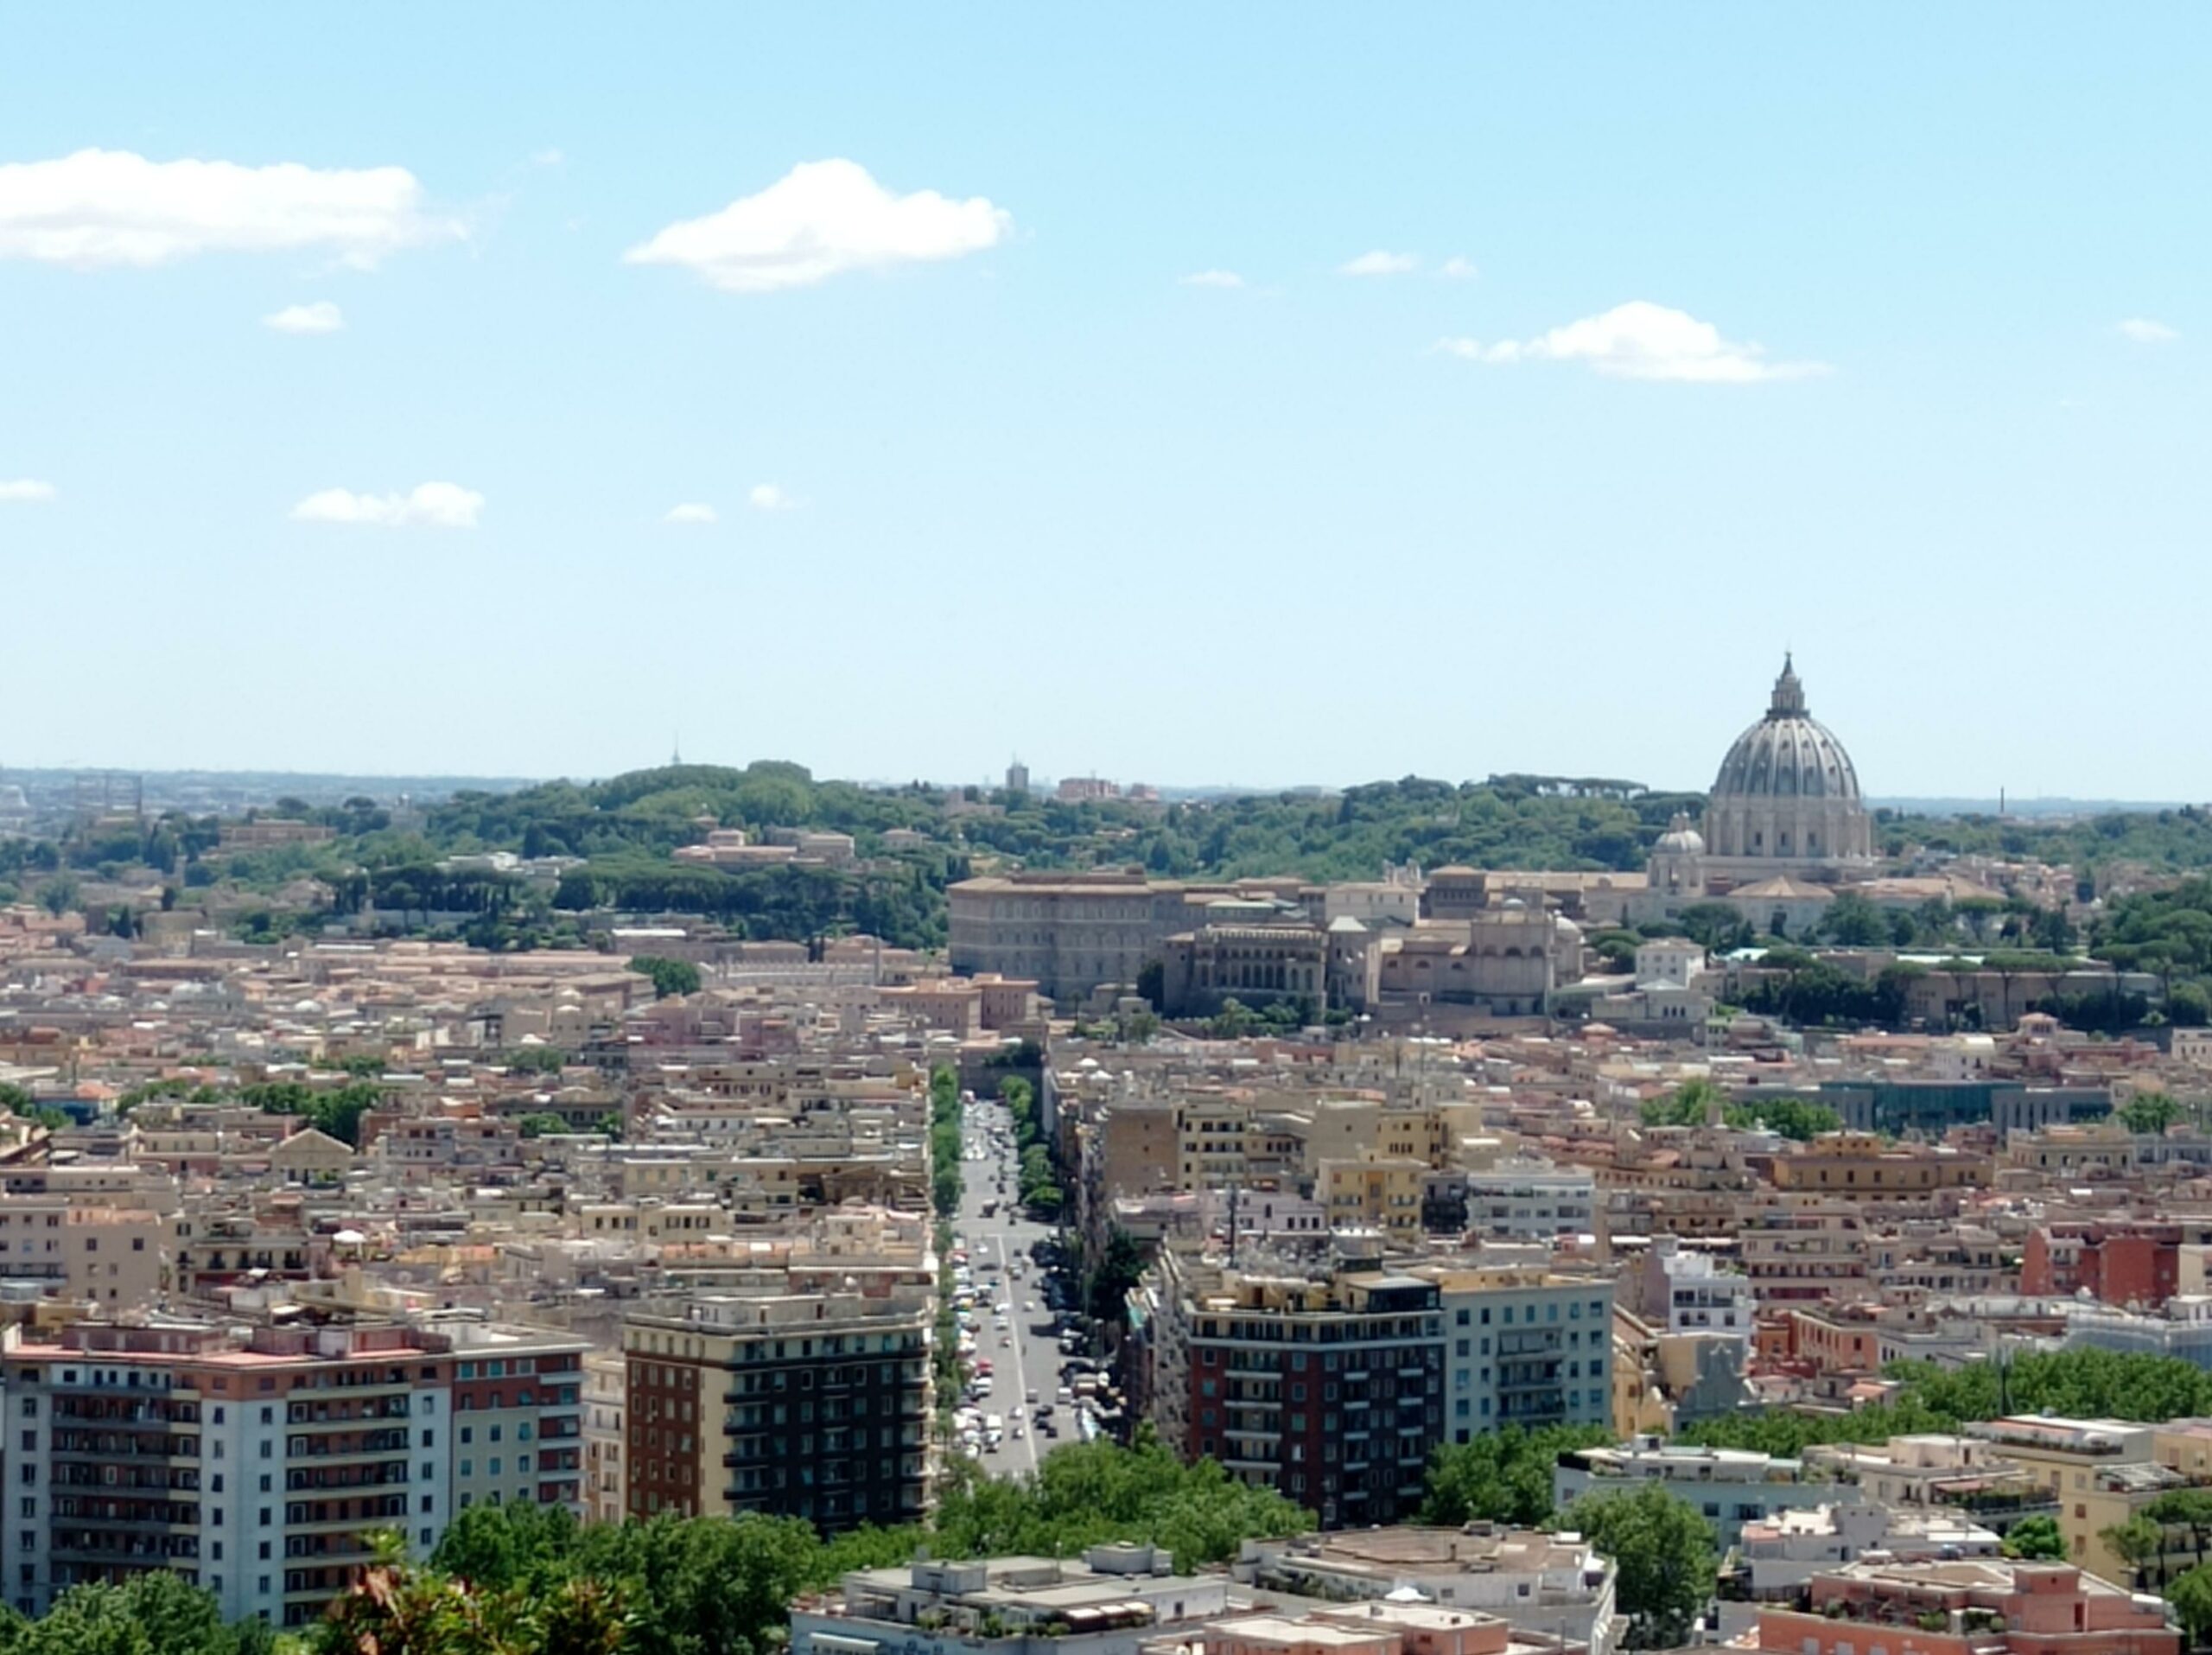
112, 1446
387, 1445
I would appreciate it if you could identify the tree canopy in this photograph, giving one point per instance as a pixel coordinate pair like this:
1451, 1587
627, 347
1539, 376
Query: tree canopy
1504, 1475
2081, 1382
670, 978
1664, 1548
525, 1580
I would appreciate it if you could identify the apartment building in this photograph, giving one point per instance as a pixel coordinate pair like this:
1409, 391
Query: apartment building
1526, 1347
1864, 1165
1331, 1391
1731, 1487
1685, 1292
605, 1393
518, 1406
813, 1404
1381, 1193
1530, 1201
2099, 1472
1804, 1253
256, 1461
111, 1257
2128, 1262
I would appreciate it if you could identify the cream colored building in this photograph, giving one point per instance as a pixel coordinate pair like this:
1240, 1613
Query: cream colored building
605, 1383
1067, 932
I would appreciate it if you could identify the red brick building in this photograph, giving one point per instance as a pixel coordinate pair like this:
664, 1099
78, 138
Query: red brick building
2119, 1263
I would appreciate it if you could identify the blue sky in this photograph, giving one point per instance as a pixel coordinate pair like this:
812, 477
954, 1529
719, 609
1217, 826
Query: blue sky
1873, 398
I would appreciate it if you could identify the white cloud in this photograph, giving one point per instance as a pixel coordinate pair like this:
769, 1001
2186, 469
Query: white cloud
1379, 263
101, 207
769, 497
2144, 331
1458, 269
1211, 278
1641, 341
691, 512
320, 317
819, 219
431, 506
25, 491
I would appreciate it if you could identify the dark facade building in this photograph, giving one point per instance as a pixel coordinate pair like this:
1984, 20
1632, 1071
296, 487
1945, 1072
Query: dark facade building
1332, 1391
806, 1405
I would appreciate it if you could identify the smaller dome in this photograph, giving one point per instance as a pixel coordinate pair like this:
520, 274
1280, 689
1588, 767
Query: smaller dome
1680, 839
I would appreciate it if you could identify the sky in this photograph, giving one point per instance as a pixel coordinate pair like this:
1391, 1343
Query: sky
1274, 395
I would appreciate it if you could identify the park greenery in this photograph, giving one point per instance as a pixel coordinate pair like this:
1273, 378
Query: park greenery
1795, 1119
523, 1580
1040, 1178
670, 978
2079, 1384
336, 1110
419, 874
947, 1144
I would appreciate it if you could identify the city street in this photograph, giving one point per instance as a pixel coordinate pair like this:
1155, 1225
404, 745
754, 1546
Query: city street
1030, 1358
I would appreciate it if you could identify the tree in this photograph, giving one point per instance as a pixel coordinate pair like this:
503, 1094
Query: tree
1088, 1493
2191, 1597
1234, 1021
1152, 978
1855, 922
2036, 1538
2189, 1508
1716, 925
539, 1122
2139, 1542
152, 1613
670, 977
1505, 1476
1664, 1548
1686, 1106
59, 894
2149, 1113
1120, 1267
1793, 1117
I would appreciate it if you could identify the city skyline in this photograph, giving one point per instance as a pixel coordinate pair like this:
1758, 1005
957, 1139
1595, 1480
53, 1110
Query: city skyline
1461, 398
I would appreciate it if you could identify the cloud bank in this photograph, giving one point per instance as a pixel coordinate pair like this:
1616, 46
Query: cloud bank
99, 209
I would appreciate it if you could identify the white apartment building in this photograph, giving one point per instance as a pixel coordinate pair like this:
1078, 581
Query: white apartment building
1531, 1201
1731, 1487
1690, 1293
